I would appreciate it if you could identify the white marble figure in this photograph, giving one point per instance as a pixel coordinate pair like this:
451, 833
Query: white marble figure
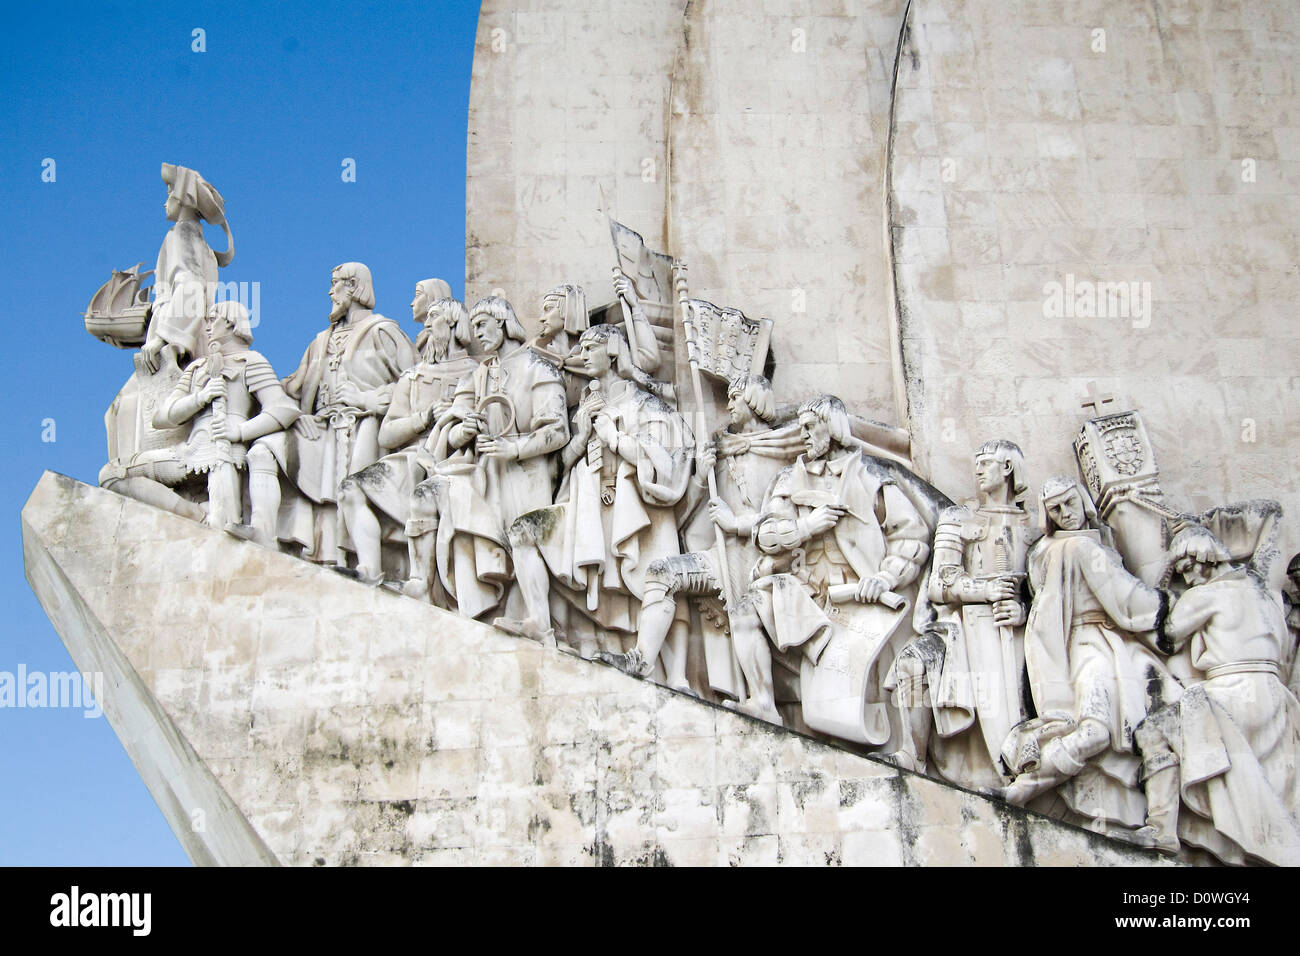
626, 467
1092, 675
1229, 746
343, 386
218, 395
959, 684
186, 274
746, 457
376, 501
492, 461
838, 531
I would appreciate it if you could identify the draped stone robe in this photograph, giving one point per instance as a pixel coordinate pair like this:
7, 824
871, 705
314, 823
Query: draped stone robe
615, 516
478, 497
371, 352
1085, 661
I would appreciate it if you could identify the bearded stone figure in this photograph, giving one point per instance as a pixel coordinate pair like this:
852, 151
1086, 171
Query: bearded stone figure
376, 501
343, 386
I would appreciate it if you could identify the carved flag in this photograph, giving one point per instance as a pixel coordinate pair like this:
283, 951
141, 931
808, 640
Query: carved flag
725, 343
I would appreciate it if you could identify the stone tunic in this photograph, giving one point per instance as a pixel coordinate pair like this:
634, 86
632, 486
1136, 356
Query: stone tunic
479, 496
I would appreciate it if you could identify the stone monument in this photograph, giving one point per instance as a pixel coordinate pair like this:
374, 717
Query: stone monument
703, 496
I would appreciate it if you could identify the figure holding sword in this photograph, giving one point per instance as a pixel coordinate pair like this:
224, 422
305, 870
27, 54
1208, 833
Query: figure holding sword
959, 687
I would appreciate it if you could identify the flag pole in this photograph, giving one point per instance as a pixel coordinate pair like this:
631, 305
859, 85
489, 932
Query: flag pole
701, 427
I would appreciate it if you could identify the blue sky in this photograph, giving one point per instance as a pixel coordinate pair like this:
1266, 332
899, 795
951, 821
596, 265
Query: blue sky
282, 95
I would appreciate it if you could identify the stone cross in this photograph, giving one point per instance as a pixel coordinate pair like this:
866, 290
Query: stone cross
1095, 401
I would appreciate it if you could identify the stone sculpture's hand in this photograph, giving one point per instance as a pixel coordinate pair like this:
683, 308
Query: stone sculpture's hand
149, 353
506, 448
308, 426
1008, 613
606, 430
209, 392
1001, 589
348, 394
723, 516
623, 287
707, 457
824, 517
870, 589
225, 430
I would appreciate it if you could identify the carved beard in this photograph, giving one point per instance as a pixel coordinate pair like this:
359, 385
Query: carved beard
437, 342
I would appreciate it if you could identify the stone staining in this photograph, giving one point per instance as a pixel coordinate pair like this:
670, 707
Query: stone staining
1128, 670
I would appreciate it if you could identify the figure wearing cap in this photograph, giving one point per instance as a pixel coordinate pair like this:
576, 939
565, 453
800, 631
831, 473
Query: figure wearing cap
186, 273
343, 386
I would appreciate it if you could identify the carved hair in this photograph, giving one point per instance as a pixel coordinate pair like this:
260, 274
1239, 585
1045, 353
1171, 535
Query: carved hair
575, 306
432, 290
237, 315
832, 411
457, 318
363, 287
756, 391
1004, 450
503, 312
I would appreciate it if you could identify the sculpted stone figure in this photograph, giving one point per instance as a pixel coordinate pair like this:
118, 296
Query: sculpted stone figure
563, 319
1229, 746
959, 685
186, 273
218, 395
1092, 678
747, 456
421, 395
343, 386
839, 530
492, 455
626, 467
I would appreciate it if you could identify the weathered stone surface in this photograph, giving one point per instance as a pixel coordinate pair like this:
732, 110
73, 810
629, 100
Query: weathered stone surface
280, 713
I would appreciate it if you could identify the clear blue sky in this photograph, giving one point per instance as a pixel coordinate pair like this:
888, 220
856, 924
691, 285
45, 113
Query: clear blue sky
283, 94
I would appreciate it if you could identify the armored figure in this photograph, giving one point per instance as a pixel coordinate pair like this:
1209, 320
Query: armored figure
959, 684
746, 457
217, 395
421, 395
490, 456
343, 387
